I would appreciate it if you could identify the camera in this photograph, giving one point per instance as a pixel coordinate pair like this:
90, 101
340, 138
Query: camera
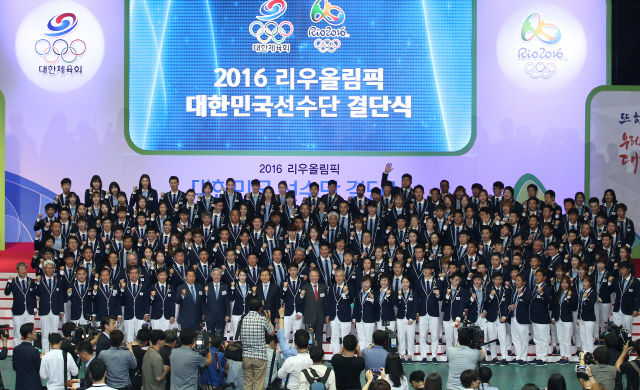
376, 373
477, 333
580, 368
312, 338
83, 333
392, 338
202, 341
621, 332
4, 331
588, 358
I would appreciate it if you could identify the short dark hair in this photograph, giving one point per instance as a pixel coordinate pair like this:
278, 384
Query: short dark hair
144, 334
468, 377
255, 304
316, 354
172, 336
67, 328
601, 354
187, 336
85, 346
301, 339
105, 321
465, 337
379, 337
55, 338
530, 386
485, 374
416, 376
97, 369
26, 329
116, 337
350, 342
155, 336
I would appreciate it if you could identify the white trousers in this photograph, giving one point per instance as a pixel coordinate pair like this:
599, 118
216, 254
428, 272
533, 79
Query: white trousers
576, 335
602, 316
623, 320
67, 312
364, 332
554, 336
161, 324
49, 324
291, 325
18, 321
491, 333
234, 326
482, 323
450, 334
586, 335
406, 337
503, 337
564, 330
392, 325
429, 324
520, 335
541, 338
131, 328
338, 330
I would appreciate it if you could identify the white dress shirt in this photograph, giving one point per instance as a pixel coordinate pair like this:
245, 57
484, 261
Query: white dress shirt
51, 368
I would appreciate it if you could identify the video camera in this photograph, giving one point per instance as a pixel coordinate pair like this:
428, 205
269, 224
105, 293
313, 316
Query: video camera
621, 332
84, 333
202, 341
477, 333
4, 331
312, 338
392, 338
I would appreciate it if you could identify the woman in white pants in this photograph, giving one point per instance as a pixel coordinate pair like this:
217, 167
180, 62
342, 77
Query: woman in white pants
562, 317
587, 314
407, 305
364, 313
241, 294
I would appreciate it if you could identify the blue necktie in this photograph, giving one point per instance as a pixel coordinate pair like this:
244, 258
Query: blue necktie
193, 292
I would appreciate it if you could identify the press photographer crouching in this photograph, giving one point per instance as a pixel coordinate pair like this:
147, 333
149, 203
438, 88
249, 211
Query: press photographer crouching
631, 369
213, 376
186, 363
462, 357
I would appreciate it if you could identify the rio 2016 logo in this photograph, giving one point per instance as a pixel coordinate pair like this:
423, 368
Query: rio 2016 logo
540, 60
60, 49
268, 32
327, 39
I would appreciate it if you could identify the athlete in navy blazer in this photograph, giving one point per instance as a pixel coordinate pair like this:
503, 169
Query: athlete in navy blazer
192, 308
24, 296
106, 301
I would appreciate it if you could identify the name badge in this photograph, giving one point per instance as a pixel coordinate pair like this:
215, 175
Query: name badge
353, 276
114, 293
368, 300
169, 295
57, 289
630, 290
97, 250
141, 293
321, 294
224, 293
410, 299
199, 292
457, 298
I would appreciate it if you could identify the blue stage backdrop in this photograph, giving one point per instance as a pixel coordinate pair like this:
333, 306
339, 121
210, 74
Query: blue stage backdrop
301, 76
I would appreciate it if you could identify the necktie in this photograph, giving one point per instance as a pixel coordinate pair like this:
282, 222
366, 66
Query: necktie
331, 235
419, 208
346, 272
193, 293
231, 269
624, 284
24, 285
113, 274
342, 222
206, 232
206, 271
265, 290
215, 222
174, 199
531, 278
135, 288
328, 272
254, 274
370, 225
64, 229
397, 284
216, 288
235, 230
315, 291
457, 233
182, 271
281, 274
82, 290
246, 251
162, 290
428, 287
255, 236
270, 248
106, 289
51, 285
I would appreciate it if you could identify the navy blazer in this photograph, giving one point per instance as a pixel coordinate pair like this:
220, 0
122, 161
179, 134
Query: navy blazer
586, 306
220, 307
50, 300
603, 289
476, 304
288, 297
22, 299
563, 311
627, 298
338, 304
497, 306
453, 306
407, 307
191, 310
521, 303
428, 302
539, 306
367, 309
81, 304
272, 301
26, 364
135, 306
387, 304
107, 303
241, 305
162, 306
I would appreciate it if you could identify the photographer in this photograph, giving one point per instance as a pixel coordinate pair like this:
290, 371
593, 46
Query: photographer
186, 362
141, 341
630, 368
462, 358
52, 366
254, 357
375, 355
601, 370
213, 375
119, 361
154, 371
292, 367
68, 344
170, 343
108, 325
613, 344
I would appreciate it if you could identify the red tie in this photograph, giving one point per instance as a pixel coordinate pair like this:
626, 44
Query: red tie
315, 290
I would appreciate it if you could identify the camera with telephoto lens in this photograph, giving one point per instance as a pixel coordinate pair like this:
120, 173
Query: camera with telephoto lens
312, 338
392, 338
202, 341
84, 333
476, 332
4, 331
621, 332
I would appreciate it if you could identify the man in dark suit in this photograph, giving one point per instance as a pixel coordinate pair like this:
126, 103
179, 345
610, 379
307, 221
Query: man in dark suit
270, 294
218, 306
26, 360
108, 325
312, 296
192, 302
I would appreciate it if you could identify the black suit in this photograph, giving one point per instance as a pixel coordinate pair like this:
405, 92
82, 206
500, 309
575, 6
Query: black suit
272, 301
104, 342
313, 309
26, 364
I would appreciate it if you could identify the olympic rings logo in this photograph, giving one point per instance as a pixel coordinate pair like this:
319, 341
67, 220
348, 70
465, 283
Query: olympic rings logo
69, 52
327, 45
540, 69
271, 34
